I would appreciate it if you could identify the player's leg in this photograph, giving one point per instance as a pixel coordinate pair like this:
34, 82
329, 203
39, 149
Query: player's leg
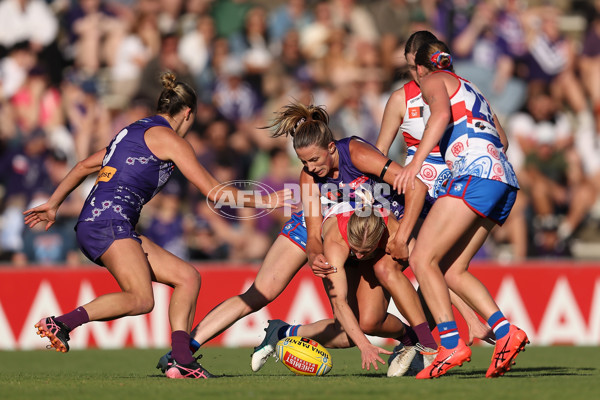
283, 260
510, 340
185, 281
433, 242
126, 261
392, 278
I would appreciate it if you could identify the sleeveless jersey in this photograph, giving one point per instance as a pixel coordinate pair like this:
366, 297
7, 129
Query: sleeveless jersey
352, 184
471, 144
434, 171
130, 176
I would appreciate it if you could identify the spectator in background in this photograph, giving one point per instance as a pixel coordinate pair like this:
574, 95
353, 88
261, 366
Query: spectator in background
552, 172
233, 96
252, 46
167, 59
14, 69
195, 50
58, 246
483, 56
32, 21
292, 15
127, 54
88, 24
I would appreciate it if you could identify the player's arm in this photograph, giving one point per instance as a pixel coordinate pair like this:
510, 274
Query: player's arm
47, 211
311, 204
167, 145
393, 114
477, 329
336, 285
435, 94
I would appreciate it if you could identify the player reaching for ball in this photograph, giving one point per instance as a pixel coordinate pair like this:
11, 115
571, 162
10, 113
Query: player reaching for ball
131, 170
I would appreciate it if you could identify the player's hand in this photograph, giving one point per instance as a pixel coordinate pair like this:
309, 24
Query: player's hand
319, 265
371, 356
397, 249
405, 179
482, 332
41, 213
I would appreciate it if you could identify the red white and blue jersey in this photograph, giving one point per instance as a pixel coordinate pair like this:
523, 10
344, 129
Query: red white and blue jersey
434, 171
471, 144
130, 176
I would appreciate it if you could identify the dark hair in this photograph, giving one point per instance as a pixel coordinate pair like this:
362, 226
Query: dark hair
175, 95
307, 125
417, 40
434, 56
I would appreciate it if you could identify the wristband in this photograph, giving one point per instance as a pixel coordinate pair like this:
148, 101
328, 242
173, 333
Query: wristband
385, 168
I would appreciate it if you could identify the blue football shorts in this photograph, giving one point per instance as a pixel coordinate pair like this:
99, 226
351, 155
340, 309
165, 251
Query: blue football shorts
486, 197
295, 230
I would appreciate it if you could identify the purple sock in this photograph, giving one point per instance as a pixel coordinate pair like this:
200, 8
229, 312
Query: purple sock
425, 337
409, 338
180, 344
75, 318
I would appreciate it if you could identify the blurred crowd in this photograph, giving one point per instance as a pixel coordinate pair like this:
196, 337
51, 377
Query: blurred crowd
73, 72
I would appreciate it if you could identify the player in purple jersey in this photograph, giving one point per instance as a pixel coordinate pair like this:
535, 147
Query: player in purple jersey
353, 162
131, 170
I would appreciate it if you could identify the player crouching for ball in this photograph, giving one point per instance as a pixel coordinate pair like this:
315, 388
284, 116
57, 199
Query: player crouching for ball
363, 234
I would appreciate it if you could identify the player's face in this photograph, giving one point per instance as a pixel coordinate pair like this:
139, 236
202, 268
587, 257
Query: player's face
362, 253
412, 68
317, 160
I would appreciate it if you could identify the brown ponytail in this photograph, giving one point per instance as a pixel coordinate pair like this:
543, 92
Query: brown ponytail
307, 125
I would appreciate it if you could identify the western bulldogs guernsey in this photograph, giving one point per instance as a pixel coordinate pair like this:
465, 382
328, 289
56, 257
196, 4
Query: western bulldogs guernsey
130, 176
434, 171
471, 144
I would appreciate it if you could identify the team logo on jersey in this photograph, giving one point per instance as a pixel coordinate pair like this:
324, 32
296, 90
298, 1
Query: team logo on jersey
457, 148
493, 151
415, 112
106, 174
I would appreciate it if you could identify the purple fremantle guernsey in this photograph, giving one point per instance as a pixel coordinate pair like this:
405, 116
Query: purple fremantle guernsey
130, 176
352, 183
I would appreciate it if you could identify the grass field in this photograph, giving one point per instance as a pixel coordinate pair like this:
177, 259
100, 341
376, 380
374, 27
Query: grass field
544, 373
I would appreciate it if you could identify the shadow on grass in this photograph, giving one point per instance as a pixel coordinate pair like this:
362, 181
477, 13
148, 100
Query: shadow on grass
530, 372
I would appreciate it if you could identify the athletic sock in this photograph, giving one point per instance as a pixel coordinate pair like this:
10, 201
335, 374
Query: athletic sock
423, 333
499, 324
409, 338
448, 334
194, 345
180, 343
287, 330
75, 318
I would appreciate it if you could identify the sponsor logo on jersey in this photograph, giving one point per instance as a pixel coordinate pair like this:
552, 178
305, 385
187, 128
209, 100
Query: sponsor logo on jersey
106, 174
415, 112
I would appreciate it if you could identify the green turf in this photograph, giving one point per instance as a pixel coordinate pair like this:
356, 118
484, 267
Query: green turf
541, 373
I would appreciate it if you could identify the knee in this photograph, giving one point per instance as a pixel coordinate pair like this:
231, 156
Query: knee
369, 324
142, 304
190, 278
254, 299
383, 272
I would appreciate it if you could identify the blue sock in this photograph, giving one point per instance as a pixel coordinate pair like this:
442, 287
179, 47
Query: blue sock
448, 334
194, 345
287, 330
499, 324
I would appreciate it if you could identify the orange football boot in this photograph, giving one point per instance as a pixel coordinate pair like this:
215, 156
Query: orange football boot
446, 359
506, 350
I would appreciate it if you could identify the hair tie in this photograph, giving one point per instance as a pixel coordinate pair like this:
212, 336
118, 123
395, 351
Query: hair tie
300, 121
436, 58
